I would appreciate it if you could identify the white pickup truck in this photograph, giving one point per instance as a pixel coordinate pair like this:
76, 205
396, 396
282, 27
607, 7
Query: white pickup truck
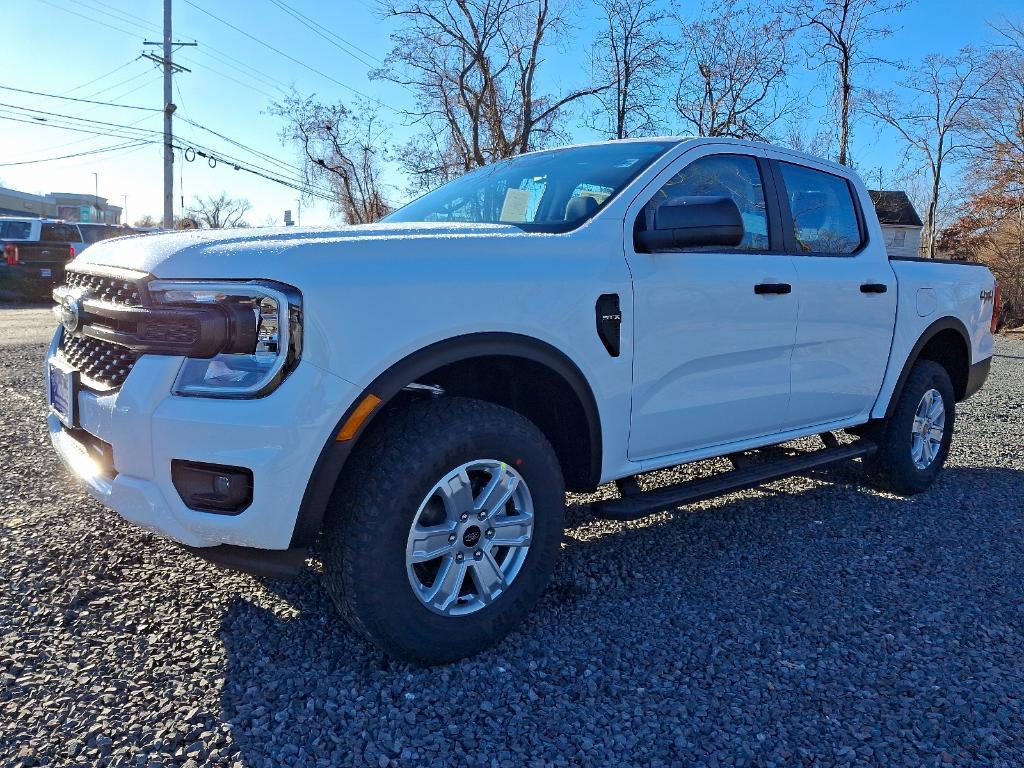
414, 396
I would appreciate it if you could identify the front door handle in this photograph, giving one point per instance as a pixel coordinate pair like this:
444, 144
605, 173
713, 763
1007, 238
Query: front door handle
874, 288
767, 288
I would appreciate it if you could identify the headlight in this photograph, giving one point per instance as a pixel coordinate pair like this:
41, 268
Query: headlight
264, 335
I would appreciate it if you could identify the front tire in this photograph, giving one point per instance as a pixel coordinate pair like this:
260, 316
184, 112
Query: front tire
914, 442
448, 527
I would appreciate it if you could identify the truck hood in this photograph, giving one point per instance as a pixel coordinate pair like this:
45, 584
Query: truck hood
262, 252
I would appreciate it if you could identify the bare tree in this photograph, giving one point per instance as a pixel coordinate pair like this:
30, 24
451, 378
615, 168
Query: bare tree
220, 211
990, 226
146, 221
932, 112
733, 63
839, 34
343, 148
1001, 113
631, 53
473, 65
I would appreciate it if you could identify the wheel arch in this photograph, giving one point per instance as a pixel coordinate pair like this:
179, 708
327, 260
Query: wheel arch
528, 365
946, 342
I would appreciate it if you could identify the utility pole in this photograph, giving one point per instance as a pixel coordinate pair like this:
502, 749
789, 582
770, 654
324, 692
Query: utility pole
168, 128
170, 69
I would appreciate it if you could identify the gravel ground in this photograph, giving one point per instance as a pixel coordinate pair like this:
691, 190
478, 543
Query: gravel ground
809, 622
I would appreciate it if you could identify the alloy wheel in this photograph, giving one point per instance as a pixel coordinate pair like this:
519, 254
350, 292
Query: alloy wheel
470, 537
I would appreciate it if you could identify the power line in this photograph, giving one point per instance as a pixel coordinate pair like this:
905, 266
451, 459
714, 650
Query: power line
297, 182
115, 154
83, 101
256, 170
121, 16
218, 156
72, 117
105, 134
137, 134
117, 85
79, 154
87, 18
340, 43
263, 155
91, 138
281, 165
199, 149
302, 64
136, 89
243, 66
118, 15
334, 34
226, 76
101, 77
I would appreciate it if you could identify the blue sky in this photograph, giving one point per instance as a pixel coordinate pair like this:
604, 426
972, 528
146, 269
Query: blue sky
59, 46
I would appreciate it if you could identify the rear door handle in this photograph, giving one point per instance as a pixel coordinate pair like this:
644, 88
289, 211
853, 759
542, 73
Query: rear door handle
766, 288
874, 288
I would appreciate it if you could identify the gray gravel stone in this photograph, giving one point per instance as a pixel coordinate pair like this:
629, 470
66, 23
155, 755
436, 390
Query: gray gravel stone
812, 621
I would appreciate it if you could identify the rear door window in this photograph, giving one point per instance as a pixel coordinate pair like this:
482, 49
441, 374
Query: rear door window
15, 230
823, 212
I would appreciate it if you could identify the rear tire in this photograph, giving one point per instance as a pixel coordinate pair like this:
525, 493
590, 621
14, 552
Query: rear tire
423, 484
914, 442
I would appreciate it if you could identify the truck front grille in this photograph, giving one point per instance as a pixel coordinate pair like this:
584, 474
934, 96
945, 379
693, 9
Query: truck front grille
105, 287
102, 365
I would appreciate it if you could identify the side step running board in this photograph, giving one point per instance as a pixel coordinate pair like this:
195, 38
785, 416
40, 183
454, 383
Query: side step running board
634, 505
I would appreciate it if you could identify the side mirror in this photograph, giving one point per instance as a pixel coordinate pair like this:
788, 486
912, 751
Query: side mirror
691, 222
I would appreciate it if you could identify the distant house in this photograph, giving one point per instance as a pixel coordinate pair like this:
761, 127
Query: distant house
900, 223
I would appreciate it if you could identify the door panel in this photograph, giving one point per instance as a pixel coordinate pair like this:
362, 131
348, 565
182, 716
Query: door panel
843, 338
711, 360
711, 357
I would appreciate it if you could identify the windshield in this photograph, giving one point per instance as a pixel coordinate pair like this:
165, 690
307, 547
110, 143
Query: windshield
551, 191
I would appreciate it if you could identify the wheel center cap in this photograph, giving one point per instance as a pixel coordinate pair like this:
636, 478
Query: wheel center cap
471, 536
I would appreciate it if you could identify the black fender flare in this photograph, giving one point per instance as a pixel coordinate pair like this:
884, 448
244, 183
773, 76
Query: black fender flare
388, 384
933, 330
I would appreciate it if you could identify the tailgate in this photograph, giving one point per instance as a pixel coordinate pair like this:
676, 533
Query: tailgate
37, 253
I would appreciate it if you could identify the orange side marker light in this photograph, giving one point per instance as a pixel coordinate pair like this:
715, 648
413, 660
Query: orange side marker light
359, 415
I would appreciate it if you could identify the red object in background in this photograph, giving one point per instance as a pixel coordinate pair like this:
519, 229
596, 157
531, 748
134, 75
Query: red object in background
11, 252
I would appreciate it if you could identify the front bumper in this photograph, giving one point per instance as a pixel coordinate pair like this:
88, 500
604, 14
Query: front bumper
278, 437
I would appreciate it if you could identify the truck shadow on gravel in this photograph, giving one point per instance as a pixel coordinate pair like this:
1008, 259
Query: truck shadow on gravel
788, 626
